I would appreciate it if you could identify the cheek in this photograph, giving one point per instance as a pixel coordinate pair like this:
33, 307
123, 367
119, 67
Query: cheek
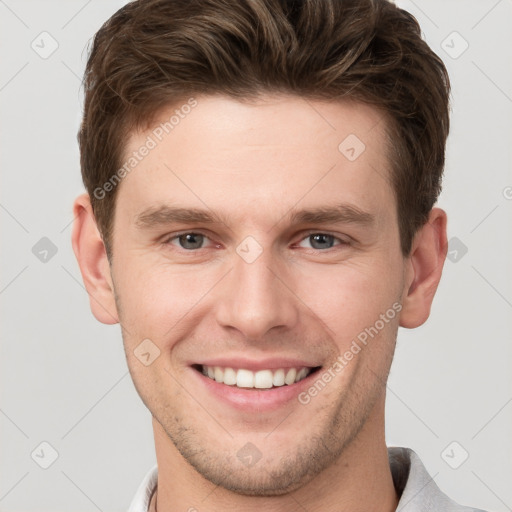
349, 297
156, 299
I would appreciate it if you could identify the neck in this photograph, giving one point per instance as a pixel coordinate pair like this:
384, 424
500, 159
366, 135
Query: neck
362, 475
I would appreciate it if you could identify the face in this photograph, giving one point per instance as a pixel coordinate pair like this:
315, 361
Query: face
252, 247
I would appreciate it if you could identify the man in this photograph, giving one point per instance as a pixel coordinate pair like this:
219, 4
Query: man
259, 219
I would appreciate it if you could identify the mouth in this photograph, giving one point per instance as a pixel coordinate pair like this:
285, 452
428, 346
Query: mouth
263, 379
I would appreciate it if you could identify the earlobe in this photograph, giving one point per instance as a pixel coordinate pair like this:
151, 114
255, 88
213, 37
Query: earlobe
92, 259
424, 269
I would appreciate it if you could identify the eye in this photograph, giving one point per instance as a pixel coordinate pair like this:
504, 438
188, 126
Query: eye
191, 241
188, 241
322, 241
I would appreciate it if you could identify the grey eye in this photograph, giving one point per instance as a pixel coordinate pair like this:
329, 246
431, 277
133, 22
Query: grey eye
191, 240
321, 241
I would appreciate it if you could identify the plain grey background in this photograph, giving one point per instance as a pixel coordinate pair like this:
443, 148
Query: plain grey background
63, 376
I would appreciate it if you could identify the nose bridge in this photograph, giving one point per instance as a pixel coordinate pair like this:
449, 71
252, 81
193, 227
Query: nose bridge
253, 300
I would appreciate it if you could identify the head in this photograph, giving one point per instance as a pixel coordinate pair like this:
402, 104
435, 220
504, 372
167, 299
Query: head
261, 178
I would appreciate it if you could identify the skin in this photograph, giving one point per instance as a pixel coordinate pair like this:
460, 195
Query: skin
254, 163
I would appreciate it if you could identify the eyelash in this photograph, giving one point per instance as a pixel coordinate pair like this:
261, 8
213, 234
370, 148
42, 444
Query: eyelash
308, 234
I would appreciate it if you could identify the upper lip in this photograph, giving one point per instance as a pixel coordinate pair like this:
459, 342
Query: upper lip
256, 365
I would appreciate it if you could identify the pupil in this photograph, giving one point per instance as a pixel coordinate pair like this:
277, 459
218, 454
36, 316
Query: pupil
191, 241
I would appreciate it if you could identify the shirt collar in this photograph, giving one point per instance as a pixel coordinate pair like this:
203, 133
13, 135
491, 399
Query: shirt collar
417, 490
140, 502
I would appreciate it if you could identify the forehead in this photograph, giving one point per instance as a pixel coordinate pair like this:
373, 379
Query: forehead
259, 156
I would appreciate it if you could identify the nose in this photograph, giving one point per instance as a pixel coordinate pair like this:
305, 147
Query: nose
256, 297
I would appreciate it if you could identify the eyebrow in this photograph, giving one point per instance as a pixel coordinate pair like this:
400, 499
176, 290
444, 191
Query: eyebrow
164, 215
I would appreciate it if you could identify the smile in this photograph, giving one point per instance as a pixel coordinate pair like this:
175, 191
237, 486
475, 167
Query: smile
261, 379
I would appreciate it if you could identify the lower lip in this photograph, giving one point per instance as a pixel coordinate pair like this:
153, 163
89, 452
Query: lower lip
252, 399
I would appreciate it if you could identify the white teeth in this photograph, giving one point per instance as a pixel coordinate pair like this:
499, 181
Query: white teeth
301, 374
278, 378
262, 379
245, 379
229, 377
290, 376
218, 374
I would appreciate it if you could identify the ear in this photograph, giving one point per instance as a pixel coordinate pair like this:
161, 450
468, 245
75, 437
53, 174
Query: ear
92, 258
423, 270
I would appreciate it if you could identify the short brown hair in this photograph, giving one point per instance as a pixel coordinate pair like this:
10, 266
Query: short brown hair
153, 53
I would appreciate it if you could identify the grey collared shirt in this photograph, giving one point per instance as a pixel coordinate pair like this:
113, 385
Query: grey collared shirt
417, 490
